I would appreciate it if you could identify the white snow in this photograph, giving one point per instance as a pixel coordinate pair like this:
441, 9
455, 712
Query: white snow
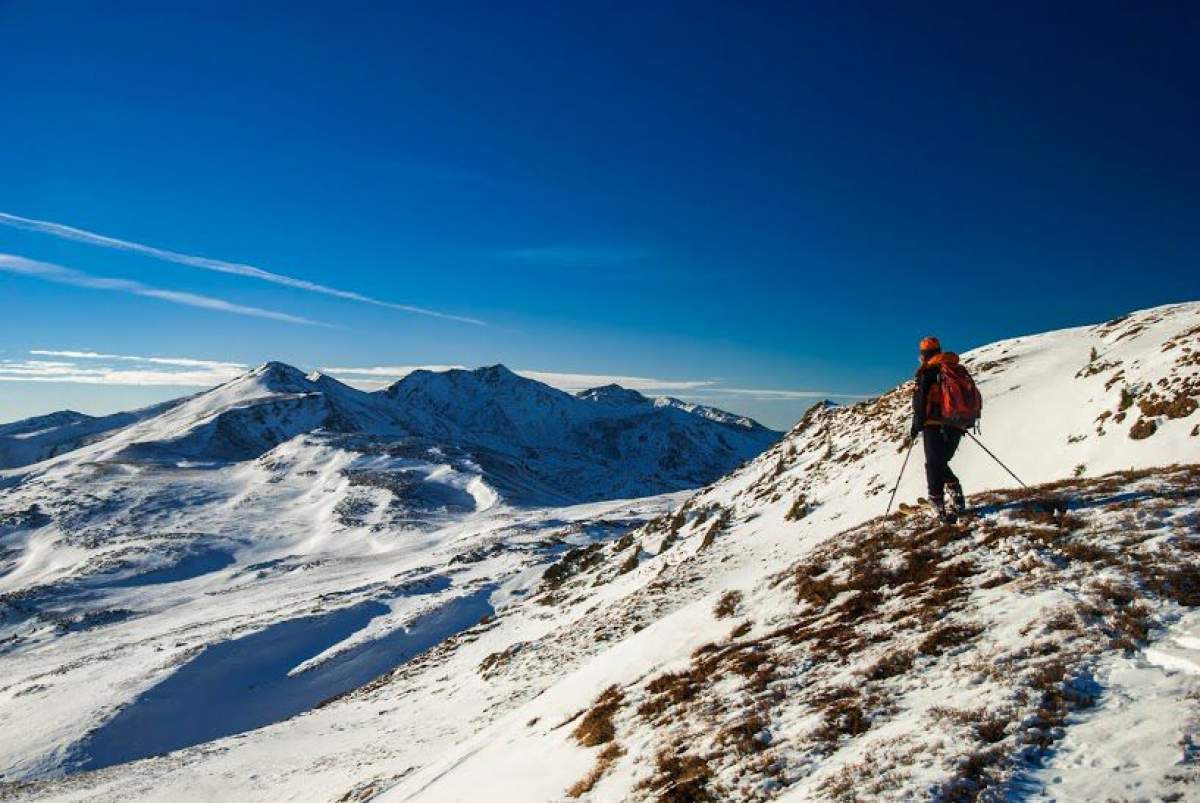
1143, 730
320, 521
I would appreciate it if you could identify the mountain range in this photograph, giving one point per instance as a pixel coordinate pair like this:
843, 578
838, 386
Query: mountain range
540, 444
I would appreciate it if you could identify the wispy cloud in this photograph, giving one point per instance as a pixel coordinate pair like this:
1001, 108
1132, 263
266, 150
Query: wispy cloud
172, 371
702, 390
570, 382
61, 275
576, 255
65, 232
103, 368
180, 361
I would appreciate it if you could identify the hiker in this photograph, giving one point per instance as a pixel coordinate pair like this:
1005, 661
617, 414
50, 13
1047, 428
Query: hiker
946, 403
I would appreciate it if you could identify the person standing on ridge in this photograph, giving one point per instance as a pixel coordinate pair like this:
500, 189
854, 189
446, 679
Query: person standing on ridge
946, 404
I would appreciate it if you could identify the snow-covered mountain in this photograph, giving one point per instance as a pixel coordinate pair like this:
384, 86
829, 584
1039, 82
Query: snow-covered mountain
536, 444
254, 506
770, 636
615, 395
33, 440
604, 443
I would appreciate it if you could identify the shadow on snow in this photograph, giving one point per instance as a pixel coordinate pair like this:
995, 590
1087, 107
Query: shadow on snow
243, 684
193, 564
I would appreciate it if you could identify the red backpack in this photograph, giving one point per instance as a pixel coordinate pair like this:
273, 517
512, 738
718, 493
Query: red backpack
956, 398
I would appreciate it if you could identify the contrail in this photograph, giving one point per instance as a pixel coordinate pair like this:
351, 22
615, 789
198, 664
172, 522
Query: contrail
60, 275
205, 263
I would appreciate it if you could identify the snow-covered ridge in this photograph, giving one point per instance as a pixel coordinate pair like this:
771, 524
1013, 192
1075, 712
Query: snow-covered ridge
617, 395
34, 440
538, 444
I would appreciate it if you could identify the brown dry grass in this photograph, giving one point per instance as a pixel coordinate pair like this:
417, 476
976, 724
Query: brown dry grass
1181, 405
743, 735
596, 727
892, 664
947, 637
1142, 429
717, 527
630, 563
727, 605
603, 762
896, 594
680, 777
798, 509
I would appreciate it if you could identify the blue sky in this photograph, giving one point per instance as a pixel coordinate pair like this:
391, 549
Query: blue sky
708, 198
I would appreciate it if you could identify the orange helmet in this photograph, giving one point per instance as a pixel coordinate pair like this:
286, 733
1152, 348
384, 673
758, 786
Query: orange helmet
931, 344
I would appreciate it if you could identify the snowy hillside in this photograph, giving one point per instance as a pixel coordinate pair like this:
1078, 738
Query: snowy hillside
36, 439
800, 662
289, 533
767, 637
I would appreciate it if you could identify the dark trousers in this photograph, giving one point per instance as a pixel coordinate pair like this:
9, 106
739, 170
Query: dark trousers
940, 445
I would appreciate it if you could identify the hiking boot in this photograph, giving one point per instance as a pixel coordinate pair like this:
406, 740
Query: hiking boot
958, 502
938, 509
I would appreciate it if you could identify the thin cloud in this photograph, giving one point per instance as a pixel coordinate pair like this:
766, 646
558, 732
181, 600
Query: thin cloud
570, 382
60, 275
60, 371
65, 232
702, 390
187, 362
88, 367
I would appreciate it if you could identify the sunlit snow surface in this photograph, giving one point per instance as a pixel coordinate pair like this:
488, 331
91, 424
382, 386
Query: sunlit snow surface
494, 705
183, 605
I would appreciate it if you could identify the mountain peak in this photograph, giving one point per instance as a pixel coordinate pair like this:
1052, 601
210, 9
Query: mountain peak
41, 422
275, 366
495, 373
281, 377
612, 393
488, 379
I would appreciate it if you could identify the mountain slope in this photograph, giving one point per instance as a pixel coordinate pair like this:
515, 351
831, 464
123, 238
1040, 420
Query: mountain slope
721, 624
897, 660
33, 440
693, 690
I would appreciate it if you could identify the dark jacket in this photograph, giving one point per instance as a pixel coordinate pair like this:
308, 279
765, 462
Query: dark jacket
925, 407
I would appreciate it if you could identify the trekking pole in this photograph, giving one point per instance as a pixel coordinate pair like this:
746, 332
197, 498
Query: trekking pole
911, 443
997, 459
